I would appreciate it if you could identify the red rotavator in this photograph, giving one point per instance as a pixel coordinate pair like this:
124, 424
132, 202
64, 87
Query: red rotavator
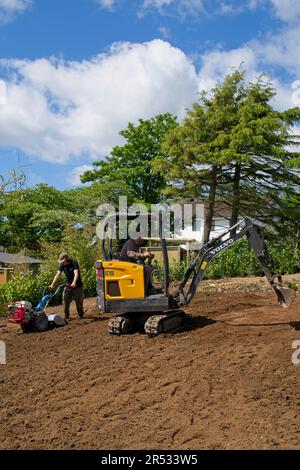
35, 319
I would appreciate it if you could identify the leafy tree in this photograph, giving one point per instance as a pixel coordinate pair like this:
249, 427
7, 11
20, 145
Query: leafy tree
15, 181
30, 215
131, 163
85, 200
33, 217
260, 154
234, 147
195, 150
77, 243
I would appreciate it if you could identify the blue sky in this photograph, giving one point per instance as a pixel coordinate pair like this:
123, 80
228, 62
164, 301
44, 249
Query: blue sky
73, 73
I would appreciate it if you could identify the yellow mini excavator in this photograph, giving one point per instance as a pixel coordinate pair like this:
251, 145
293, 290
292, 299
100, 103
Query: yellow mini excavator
121, 288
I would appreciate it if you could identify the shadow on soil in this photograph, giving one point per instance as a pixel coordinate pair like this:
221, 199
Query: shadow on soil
196, 323
295, 325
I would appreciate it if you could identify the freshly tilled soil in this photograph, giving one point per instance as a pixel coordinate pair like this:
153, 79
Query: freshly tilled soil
226, 381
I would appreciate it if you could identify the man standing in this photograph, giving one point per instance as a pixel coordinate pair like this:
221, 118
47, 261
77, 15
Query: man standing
74, 289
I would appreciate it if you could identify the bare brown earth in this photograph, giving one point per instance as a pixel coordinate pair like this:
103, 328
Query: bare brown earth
226, 381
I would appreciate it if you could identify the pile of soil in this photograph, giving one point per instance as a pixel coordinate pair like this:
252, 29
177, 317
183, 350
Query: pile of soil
226, 381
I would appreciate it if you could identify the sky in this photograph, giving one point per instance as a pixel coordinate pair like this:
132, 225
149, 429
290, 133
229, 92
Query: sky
73, 73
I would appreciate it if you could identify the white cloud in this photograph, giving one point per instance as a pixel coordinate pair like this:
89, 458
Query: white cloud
287, 10
107, 4
218, 63
157, 3
2, 93
281, 49
165, 32
9, 8
256, 58
228, 7
253, 4
182, 6
56, 110
209, 8
59, 110
74, 179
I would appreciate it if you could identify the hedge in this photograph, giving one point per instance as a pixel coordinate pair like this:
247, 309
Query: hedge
240, 261
31, 287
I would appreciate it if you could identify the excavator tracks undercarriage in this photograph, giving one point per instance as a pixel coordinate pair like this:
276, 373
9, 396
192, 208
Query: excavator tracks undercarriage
153, 325
120, 325
166, 323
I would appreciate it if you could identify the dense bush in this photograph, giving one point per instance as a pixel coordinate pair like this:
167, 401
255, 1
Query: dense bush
27, 286
177, 271
89, 282
30, 287
240, 261
237, 261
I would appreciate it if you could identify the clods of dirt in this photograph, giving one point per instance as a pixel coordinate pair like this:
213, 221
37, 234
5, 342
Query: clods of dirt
225, 382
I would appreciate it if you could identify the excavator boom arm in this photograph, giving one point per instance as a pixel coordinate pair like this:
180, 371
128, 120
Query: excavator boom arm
252, 230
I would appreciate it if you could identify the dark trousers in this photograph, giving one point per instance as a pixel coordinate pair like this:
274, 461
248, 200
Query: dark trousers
147, 272
70, 294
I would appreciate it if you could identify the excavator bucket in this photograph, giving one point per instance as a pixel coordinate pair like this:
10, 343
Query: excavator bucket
285, 296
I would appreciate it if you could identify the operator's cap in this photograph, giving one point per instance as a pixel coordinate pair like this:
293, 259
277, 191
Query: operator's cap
62, 257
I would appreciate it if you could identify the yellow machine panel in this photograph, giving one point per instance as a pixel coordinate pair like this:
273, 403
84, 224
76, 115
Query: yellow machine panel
123, 280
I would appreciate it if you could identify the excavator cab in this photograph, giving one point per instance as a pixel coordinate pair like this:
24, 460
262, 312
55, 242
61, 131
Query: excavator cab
121, 285
122, 291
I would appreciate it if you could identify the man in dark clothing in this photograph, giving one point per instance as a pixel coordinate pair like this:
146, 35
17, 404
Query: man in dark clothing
130, 253
74, 289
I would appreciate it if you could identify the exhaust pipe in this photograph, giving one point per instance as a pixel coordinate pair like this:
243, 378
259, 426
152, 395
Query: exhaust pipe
285, 295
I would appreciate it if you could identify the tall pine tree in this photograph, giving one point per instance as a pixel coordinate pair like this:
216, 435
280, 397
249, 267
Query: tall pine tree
234, 147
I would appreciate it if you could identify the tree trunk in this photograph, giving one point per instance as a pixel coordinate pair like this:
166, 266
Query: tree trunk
236, 198
211, 204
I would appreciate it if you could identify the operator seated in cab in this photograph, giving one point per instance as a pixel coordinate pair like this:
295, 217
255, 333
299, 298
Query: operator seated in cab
130, 253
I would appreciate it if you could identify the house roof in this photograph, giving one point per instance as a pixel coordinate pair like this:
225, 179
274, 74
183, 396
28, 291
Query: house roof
7, 258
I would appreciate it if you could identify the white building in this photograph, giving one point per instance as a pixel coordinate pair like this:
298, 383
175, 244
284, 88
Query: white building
193, 230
